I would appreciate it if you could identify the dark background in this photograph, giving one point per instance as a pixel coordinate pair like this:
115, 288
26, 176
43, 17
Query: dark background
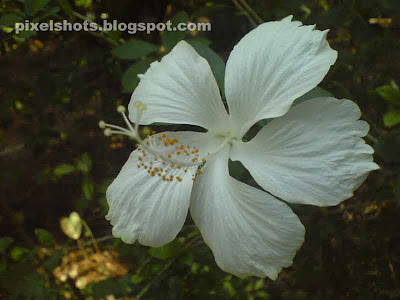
56, 86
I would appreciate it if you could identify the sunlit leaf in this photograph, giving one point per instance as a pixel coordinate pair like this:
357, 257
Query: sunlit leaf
64, 169
88, 188
391, 118
390, 93
72, 226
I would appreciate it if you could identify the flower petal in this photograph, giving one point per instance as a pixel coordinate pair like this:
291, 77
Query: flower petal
249, 231
145, 206
180, 89
272, 66
314, 154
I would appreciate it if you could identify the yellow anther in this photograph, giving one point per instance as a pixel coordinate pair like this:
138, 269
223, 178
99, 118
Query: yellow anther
178, 178
153, 132
102, 124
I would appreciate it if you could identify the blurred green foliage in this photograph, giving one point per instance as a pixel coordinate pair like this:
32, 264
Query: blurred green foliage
56, 86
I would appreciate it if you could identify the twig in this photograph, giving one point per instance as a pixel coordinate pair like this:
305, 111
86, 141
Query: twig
193, 242
257, 17
240, 8
88, 243
93, 239
373, 139
100, 35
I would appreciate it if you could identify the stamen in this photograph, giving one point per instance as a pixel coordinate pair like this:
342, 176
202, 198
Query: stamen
166, 153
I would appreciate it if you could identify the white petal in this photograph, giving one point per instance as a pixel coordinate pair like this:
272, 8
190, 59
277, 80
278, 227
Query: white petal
314, 154
180, 89
249, 231
147, 208
272, 66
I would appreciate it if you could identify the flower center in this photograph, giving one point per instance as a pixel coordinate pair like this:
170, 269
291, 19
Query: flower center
162, 154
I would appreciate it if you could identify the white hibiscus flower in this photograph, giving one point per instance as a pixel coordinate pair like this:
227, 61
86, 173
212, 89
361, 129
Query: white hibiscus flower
311, 153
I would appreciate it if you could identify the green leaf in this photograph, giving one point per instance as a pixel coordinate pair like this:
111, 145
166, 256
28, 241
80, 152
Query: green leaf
10, 19
64, 169
67, 8
215, 61
134, 49
388, 148
166, 251
49, 13
390, 93
53, 260
236, 169
26, 34
18, 252
136, 279
32, 7
45, 237
391, 118
88, 188
85, 163
170, 38
5, 242
205, 42
130, 77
